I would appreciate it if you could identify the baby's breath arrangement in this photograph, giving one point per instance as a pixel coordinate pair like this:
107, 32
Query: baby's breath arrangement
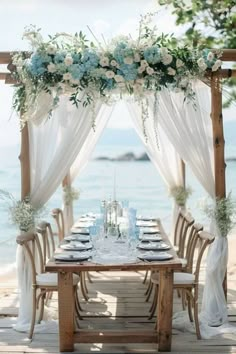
70, 194
223, 211
21, 212
180, 194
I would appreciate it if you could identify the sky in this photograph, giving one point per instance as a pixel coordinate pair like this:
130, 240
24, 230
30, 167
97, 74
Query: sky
104, 17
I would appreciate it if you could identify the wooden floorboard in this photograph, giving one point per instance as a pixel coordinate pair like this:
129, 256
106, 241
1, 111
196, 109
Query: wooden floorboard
116, 302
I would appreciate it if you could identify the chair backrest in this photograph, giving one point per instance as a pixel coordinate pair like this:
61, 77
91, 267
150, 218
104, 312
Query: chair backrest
204, 239
32, 250
192, 242
44, 229
57, 214
183, 223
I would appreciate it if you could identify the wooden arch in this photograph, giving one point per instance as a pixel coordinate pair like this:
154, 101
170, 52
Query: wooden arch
228, 55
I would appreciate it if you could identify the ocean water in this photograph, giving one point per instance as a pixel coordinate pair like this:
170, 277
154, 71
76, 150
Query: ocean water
138, 182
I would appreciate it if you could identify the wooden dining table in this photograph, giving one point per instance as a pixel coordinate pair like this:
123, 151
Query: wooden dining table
162, 335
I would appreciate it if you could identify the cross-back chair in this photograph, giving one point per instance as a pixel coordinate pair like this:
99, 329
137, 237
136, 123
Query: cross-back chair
44, 229
188, 281
58, 216
42, 282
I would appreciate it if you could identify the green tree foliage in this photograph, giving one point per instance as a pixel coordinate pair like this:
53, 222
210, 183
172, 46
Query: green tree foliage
210, 24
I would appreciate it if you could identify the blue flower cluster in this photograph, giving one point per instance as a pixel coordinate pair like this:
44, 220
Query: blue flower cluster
128, 71
209, 63
121, 51
152, 55
38, 64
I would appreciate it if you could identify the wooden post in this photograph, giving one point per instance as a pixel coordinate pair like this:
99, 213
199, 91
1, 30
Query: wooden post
218, 143
25, 163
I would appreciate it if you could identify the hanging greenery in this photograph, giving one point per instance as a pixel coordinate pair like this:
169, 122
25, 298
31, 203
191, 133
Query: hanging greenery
180, 194
85, 71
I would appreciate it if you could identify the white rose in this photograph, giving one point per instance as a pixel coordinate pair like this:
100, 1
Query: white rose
67, 76
121, 85
137, 58
113, 62
164, 51
201, 62
183, 82
210, 56
128, 60
171, 71
104, 61
119, 78
203, 67
167, 59
218, 62
215, 67
141, 69
144, 63
179, 63
110, 74
68, 60
51, 68
149, 70
51, 49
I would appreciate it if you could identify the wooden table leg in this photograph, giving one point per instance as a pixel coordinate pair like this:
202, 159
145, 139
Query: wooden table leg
66, 311
165, 310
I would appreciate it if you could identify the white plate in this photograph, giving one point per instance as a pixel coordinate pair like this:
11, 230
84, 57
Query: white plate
153, 246
77, 237
150, 230
84, 223
76, 246
162, 256
79, 230
152, 237
142, 223
71, 257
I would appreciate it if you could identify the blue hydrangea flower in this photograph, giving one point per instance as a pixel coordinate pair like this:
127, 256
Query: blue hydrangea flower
110, 84
122, 51
152, 55
77, 71
76, 58
129, 72
90, 60
59, 57
39, 63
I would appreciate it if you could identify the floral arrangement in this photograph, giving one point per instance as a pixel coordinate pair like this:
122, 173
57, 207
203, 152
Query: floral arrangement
70, 194
70, 64
223, 211
21, 212
180, 194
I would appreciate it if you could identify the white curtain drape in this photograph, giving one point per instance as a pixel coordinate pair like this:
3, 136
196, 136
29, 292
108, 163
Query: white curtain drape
84, 155
54, 145
160, 151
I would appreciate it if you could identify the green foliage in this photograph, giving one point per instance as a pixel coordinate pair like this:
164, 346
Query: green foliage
211, 24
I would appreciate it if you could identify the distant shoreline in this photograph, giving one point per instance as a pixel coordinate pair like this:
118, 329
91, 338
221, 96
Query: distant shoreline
129, 156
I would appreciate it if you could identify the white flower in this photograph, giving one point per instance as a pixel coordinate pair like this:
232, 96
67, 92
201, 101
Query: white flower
141, 69
167, 59
171, 71
51, 49
179, 63
104, 61
218, 62
113, 62
51, 68
183, 83
110, 74
128, 60
121, 85
203, 67
164, 51
74, 81
215, 67
119, 78
210, 56
137, 58
68, 60
144, 63
200, 62
67, 76
149, 70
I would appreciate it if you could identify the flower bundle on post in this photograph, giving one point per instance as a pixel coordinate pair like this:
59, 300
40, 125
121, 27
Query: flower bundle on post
72, 65
180, 194
223, 211
70, 194
21, 212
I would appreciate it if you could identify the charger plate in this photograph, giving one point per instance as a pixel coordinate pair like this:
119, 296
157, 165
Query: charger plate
162, 256
72, 257
76, 246
153, 246
77, 237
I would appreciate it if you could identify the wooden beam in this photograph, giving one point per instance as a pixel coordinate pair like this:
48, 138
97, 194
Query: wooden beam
25, 163
5, 57
228, 55
218, 144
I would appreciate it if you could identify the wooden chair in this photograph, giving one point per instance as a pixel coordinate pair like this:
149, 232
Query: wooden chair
42, 282
188, 281
183, 223
44, 229
58, 216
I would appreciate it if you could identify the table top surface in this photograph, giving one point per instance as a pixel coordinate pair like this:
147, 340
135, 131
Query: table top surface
73, 266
